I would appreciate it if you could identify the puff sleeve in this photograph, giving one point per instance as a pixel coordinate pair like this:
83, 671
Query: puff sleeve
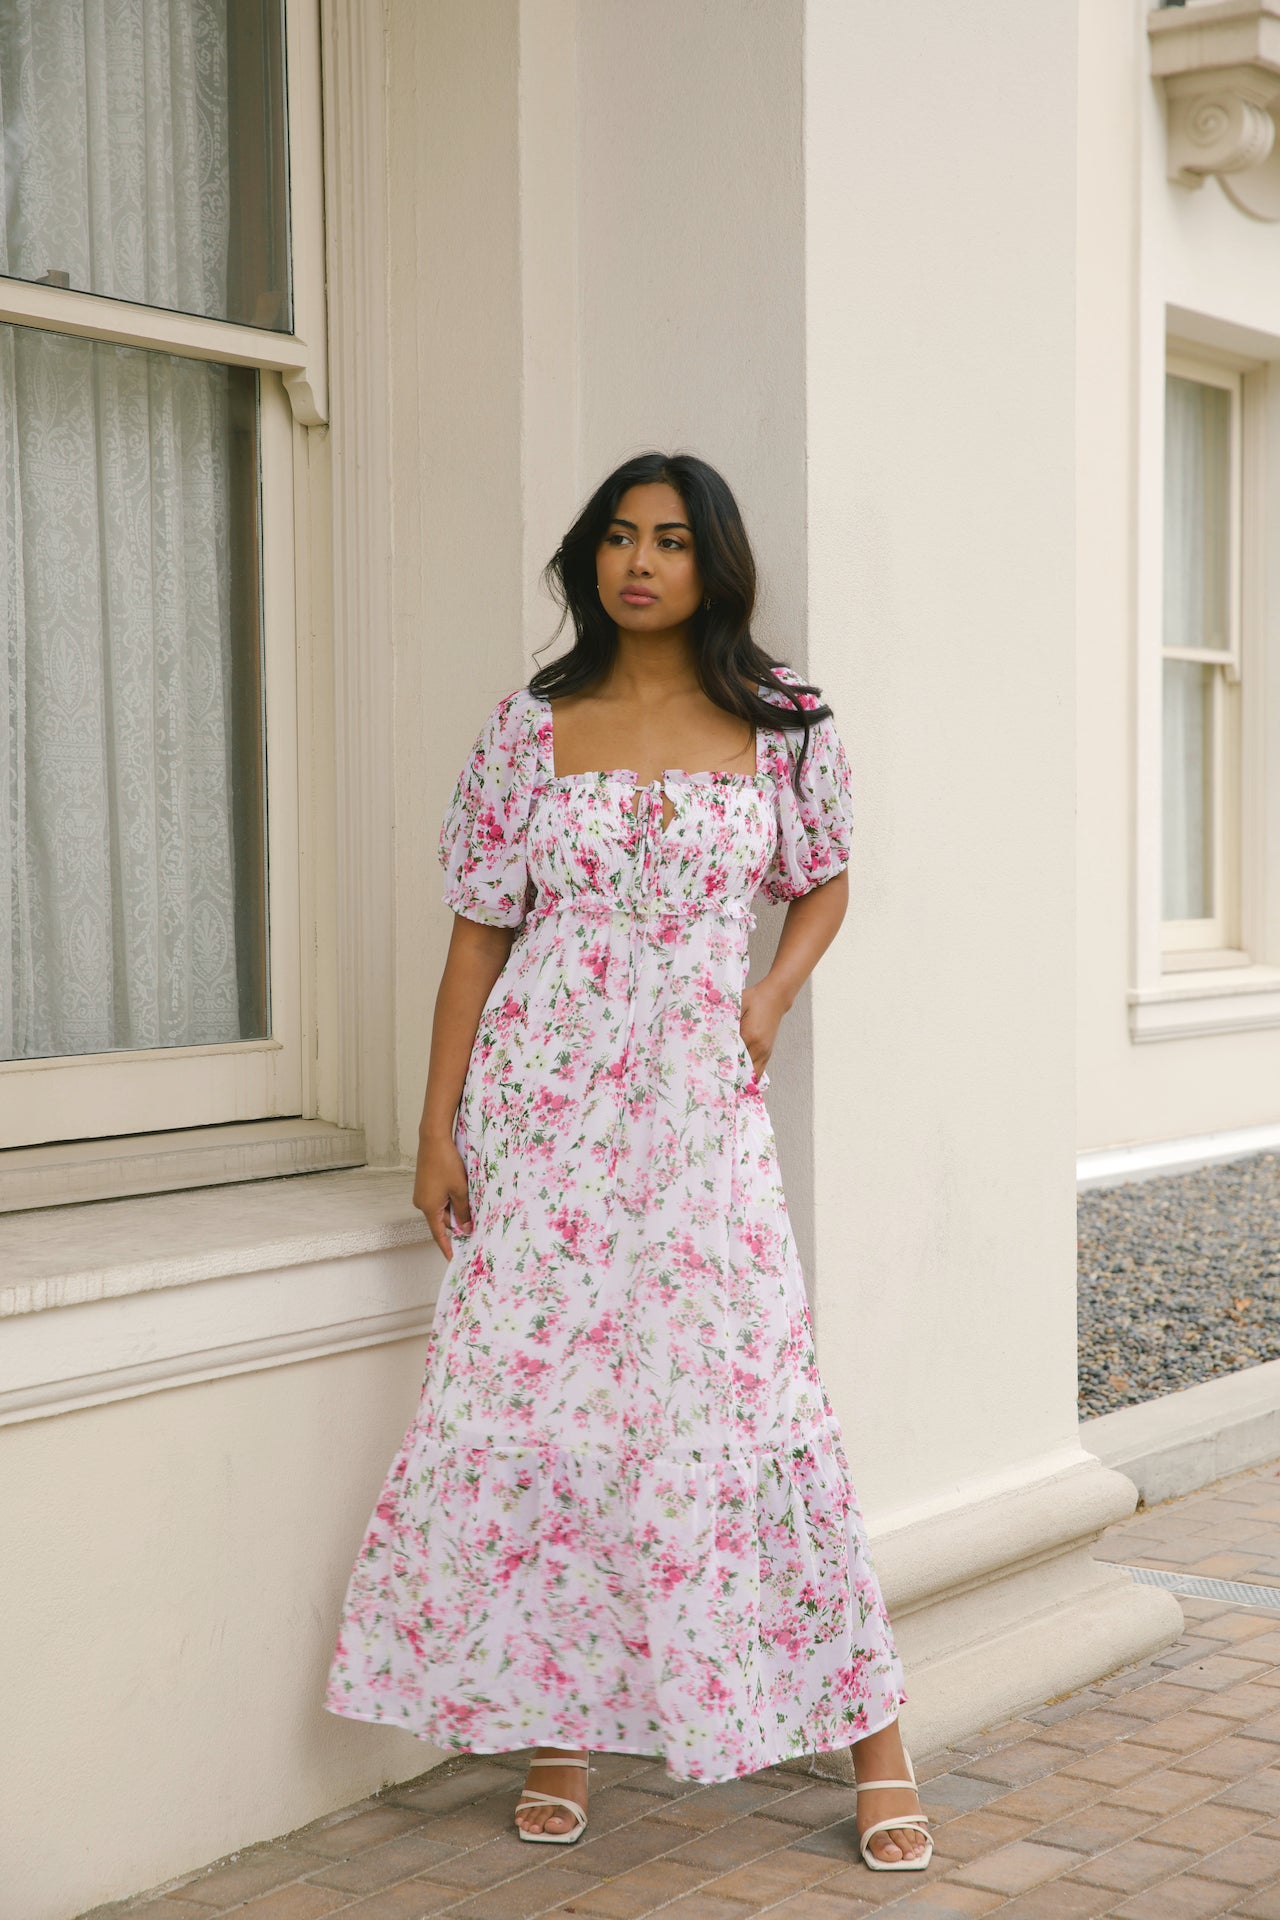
814, 826
482, 843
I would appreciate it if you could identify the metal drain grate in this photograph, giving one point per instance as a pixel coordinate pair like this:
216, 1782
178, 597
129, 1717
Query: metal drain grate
1202, 1587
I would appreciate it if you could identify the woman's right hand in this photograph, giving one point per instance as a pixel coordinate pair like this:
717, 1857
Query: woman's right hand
441, 1178
476, 957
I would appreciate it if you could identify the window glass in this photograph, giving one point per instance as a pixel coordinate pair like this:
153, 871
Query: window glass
1197, 514
1188, 790
132, 794
143, 152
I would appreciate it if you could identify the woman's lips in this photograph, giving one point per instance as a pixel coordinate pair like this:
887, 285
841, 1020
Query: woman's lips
638, 597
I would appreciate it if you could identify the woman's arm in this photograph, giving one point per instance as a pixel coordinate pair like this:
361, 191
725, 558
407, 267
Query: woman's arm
811, 925
476, 956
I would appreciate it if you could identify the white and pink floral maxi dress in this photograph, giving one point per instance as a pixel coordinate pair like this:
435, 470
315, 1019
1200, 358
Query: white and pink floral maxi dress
622, 1517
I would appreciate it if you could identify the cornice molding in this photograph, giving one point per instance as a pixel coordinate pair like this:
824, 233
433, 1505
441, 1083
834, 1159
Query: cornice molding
1219, 62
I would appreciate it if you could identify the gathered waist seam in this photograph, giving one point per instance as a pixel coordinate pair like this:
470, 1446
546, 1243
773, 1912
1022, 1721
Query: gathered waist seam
640, 910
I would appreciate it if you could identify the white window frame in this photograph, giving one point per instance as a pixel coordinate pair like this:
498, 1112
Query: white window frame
133, 1092
1180, 989
1215, 939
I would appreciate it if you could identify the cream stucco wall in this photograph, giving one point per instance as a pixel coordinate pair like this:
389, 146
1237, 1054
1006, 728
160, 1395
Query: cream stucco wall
174, 1566
1146, 245
691, 261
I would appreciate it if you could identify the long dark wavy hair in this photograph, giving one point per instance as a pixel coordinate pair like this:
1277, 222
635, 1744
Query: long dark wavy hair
730, 665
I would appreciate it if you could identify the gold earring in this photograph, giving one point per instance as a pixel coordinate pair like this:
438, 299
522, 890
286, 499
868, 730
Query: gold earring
707, 603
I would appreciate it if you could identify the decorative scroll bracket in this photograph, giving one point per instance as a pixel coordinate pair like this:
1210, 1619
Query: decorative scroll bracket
1219, 61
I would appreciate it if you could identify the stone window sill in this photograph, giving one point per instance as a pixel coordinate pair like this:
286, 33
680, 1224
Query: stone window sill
72, 1172
1191, 1005
122, 1297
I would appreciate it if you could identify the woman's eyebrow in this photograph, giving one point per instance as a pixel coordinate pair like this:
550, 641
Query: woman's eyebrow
660, 526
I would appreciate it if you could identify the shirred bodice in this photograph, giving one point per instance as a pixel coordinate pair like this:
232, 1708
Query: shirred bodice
519, 840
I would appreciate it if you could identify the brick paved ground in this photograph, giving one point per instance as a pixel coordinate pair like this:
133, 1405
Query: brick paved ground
1154, 1795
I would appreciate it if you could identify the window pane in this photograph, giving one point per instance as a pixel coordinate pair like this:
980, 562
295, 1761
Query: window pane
1188, 790
131, 768
143, 152
1197, 514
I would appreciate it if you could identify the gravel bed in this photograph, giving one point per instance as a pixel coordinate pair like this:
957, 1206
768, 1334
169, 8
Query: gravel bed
1178, 1280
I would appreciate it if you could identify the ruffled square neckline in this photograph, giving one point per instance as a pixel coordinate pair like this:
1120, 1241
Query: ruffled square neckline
627, 776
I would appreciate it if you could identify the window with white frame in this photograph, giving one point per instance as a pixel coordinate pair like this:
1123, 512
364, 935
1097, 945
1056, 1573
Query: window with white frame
150, 962
1201, 731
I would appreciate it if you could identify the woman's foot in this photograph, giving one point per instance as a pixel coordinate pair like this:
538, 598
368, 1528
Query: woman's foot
569, 1782
879, 1756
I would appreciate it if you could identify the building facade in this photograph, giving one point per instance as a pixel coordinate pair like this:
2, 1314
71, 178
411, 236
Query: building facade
980, 317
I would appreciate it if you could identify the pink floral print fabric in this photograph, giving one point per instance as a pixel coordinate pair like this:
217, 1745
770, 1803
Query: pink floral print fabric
622, 1517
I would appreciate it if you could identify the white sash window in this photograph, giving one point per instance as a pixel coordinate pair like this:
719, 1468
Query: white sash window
154, 386
1201, 659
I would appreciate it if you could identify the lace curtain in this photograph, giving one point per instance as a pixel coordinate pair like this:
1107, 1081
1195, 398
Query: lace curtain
116, 847
1196, 613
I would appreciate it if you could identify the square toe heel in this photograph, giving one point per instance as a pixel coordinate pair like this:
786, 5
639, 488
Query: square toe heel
917, 1820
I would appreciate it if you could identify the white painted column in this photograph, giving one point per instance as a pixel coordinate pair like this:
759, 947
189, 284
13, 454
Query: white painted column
940, 184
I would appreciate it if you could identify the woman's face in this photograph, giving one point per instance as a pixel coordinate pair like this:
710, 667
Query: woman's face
645, 564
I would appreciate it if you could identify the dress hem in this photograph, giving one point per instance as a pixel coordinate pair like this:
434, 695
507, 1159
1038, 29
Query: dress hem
644, 1753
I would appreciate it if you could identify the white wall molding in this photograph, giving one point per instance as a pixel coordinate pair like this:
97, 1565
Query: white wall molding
110, 1301
947, 1552
1075, 1619
308, 385
1186, 1440
550, 293
1220, 64
42, 1399
1218, 1000
991, 1597
1220, 123
1110, 1166
357, 190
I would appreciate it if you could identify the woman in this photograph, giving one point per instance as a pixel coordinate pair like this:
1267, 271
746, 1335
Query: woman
622, 1517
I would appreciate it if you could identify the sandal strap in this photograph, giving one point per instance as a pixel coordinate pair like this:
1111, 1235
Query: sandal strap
531, 1799
864, 1785
900, 1819
567, 1761
880, 1826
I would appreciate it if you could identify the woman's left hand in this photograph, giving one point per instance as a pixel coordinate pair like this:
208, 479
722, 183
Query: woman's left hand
762, 1009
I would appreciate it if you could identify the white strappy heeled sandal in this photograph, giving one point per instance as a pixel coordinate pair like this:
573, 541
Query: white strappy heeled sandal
917, 1820
530, 1798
